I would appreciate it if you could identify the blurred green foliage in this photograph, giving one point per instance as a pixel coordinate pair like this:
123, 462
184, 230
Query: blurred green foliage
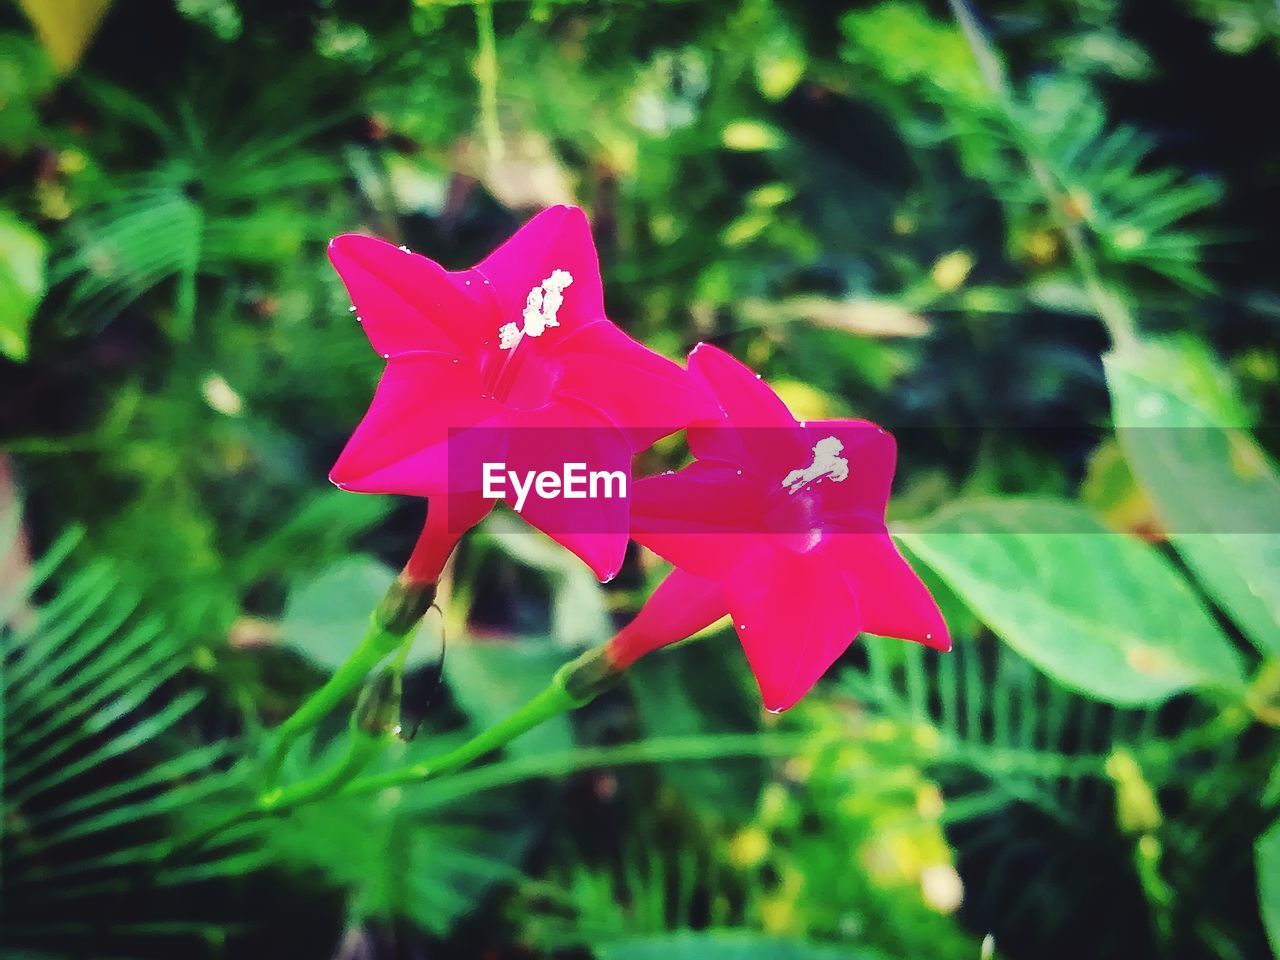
1035, 238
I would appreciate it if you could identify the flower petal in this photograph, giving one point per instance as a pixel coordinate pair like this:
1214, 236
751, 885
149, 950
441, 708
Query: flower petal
558, 238
632, 385
756, 431
449, 516
680, 607
795, 615
701, 519
594, 528
407, 302
402, 444
745, 398
871, 453
894, 600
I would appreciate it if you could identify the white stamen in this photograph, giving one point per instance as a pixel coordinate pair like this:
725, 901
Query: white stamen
534, 321
826, 463
541, 309
508, 336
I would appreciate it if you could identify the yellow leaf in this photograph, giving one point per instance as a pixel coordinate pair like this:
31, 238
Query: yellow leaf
750, 136
951, 270
65, 27
863, 317
1137, 810
807, 402
745, 229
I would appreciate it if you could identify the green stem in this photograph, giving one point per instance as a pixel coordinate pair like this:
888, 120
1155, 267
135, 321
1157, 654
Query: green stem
1224, 726
1114, 315
487, 75
574, 685
728, 746
551, 702
362, 749
390, 627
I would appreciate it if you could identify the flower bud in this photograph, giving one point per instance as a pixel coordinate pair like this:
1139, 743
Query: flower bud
588, 676
404, 604
377, 710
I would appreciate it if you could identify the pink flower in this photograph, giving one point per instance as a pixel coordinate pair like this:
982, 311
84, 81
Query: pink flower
780, 525
512, 360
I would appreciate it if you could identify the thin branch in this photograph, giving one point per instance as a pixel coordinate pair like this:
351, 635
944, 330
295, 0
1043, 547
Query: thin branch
1113, 314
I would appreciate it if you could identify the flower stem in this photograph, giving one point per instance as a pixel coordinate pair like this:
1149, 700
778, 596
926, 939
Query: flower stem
1115, 316
389, 628
363, 747
575, 685
661, 750
487, 75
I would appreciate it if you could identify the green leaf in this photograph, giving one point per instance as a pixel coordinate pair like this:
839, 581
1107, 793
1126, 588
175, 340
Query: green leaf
1212, 486
402, 853
1267, 856
95, 751
25, 77
22, 283
729, 945
1103, 613
325, 617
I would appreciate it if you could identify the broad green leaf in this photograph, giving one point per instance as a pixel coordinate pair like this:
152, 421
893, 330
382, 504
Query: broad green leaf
579, 617
1267, 857
1213, 488
729, 945
22, 283
325, 617
1102, 612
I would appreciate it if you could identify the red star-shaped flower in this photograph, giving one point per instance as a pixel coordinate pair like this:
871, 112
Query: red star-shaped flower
781, 525
512, 359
